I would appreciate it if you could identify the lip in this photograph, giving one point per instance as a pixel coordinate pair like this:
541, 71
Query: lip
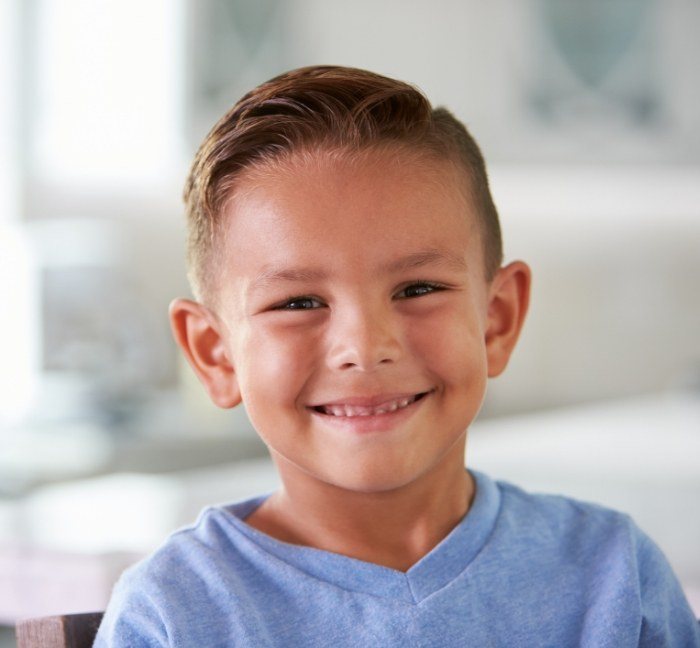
384, 422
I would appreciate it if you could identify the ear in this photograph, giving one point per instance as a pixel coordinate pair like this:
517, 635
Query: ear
509, 296
197, 332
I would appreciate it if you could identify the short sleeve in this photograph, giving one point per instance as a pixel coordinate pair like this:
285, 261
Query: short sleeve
131, 619
667, 619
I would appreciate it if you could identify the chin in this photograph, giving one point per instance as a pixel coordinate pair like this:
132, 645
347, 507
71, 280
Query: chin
371, 480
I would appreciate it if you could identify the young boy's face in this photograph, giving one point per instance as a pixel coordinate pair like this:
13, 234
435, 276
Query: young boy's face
354, 313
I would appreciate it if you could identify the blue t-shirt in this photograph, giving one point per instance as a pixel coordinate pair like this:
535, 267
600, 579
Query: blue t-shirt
518, 570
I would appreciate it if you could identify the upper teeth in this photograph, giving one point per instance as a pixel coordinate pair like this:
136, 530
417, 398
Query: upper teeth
354, 410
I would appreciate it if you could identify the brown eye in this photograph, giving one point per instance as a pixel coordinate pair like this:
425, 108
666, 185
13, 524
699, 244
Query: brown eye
418, 289
300, 303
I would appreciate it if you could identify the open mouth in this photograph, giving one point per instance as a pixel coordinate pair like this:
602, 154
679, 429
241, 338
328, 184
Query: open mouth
387, 407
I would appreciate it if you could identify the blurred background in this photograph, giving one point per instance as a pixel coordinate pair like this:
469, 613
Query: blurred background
588, 112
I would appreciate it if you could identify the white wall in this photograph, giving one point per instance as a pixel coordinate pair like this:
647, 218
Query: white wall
613, 241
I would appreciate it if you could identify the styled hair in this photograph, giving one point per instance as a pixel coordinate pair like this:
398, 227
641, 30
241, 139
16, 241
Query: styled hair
322, 107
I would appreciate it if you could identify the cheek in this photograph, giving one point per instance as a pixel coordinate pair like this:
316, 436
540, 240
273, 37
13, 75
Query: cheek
275, 367
460, 366
451, 345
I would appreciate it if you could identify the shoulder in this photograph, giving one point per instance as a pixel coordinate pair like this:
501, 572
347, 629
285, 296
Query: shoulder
189, 553
571, 533
551, 535
515, 498
183, 584
582, 531
561, 519
600, 553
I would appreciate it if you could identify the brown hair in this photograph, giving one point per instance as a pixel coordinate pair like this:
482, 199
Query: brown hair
317, 107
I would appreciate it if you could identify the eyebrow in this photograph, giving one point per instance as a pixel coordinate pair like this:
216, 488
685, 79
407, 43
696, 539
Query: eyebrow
411, 261
432, 256
272, 276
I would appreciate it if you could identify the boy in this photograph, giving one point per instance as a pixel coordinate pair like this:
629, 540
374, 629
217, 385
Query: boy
346, 257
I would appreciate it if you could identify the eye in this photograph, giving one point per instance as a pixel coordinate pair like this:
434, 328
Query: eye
299, 303
418, 289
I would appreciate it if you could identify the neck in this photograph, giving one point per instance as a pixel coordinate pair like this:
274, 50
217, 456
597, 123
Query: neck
394, 528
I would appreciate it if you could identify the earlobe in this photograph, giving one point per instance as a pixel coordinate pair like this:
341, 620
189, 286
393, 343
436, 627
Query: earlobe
509, 298
198, 334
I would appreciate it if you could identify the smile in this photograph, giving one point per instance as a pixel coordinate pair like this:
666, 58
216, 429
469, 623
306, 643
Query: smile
386, 407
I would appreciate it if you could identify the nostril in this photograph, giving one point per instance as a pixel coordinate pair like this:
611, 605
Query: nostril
363, 352
355, 365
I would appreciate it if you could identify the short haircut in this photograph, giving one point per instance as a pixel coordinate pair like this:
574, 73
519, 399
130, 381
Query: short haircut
315, 108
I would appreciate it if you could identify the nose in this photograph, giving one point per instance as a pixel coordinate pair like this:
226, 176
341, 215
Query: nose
364, 339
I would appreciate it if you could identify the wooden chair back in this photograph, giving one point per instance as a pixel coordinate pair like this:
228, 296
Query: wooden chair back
66, 631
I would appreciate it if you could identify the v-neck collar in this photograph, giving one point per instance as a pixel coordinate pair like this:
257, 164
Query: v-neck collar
435, 570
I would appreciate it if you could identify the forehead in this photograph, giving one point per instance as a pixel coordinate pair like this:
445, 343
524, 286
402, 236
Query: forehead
378, 172
373, 207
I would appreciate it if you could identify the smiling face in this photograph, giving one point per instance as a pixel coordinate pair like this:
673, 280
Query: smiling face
353, 319
353, 309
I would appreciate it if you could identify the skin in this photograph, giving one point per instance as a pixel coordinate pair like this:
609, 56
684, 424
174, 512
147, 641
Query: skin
355, 282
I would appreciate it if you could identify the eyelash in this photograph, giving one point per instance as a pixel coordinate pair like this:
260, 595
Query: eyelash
426, 288
288, 303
